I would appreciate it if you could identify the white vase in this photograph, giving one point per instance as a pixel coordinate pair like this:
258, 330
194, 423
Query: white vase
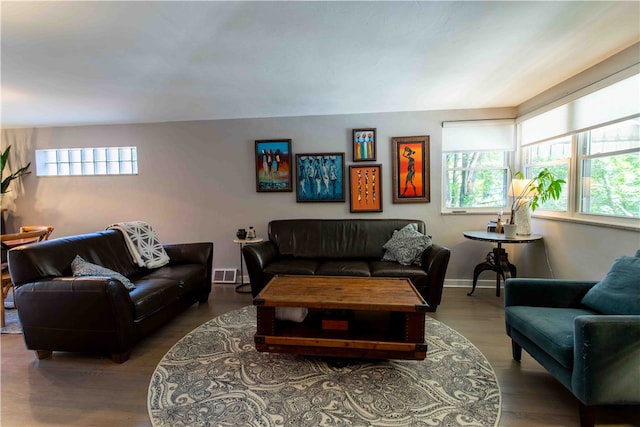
522, 217
510, 230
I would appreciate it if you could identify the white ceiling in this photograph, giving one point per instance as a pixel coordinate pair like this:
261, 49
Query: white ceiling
73, 63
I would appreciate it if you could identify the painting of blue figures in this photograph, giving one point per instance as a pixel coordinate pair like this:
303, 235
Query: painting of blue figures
320, 177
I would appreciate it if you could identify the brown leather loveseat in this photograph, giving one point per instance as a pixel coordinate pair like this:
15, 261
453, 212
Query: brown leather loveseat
342, 247
60, 312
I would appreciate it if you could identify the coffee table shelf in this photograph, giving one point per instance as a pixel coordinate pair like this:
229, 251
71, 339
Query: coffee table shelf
386, 317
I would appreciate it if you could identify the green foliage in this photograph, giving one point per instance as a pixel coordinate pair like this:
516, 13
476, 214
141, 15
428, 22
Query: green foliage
544, 186
4, 160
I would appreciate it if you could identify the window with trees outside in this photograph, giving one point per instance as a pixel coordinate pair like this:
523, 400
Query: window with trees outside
476, 180
609, 165
476, 157
593, 143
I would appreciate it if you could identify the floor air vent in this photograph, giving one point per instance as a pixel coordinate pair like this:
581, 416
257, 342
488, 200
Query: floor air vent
224, 275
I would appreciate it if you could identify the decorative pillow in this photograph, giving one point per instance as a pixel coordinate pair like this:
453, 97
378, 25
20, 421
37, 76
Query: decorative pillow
619, 291
82, 268
406, 245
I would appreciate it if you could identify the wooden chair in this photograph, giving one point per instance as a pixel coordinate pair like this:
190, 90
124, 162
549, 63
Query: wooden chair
31, 234
28, 228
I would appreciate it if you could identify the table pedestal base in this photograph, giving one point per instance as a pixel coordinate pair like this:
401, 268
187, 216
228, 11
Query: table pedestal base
498, 261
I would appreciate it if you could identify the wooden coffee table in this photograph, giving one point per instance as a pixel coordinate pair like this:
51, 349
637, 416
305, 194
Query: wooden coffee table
358, 317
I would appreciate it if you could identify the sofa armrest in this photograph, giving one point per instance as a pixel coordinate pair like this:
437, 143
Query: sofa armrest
56, 312
606, 359
194, 253
190, 253
256, 257
435, 261
545, 292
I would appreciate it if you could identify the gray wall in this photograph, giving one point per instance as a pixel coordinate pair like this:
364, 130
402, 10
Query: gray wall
196, 182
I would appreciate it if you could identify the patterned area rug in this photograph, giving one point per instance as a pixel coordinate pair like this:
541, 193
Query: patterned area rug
215, 377
12, 322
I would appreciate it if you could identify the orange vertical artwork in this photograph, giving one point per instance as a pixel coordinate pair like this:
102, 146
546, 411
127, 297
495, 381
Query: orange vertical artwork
411, 161
365, 189
410, 169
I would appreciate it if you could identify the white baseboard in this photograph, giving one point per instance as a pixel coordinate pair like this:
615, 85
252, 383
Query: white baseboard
468, 283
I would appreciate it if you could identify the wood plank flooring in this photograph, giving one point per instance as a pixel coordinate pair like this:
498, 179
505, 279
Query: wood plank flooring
74, 389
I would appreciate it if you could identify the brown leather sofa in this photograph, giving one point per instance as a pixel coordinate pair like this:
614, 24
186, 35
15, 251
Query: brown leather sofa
60, 312
336, 247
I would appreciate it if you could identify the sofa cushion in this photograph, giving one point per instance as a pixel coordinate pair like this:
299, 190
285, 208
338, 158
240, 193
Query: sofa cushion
619, 291
292, 266
82, 268
406, 245
550, 328
152, 295
187, 276
394, 269
344, 267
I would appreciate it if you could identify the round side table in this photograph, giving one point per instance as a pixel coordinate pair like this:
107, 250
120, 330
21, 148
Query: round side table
242, 242
497, 260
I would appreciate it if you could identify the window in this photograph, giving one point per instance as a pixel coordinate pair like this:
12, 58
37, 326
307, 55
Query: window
476, 180
593, 143
87, 161
554, 155
476, 165
609, 162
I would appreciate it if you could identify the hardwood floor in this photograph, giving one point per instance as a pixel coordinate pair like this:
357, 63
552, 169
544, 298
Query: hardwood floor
74, 389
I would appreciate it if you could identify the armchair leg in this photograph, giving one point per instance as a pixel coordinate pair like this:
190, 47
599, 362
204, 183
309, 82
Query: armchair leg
587, 415
516, 351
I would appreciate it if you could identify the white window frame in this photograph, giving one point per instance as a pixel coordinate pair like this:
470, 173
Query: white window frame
563, 120
100, 161
472, 136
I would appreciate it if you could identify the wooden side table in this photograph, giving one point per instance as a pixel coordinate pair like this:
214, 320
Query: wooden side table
242, 242
497, 260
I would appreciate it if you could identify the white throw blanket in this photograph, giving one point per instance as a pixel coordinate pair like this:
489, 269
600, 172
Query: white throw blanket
143, 243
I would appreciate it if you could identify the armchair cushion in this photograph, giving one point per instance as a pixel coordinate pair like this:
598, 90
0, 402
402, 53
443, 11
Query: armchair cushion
549, 328
619, 291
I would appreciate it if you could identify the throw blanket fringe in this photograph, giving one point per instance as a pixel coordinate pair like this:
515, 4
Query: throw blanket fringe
143, 243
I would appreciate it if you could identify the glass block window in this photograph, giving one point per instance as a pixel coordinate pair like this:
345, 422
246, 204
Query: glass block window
87, 161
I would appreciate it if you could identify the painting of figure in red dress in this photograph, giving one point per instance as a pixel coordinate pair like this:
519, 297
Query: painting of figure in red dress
410, 169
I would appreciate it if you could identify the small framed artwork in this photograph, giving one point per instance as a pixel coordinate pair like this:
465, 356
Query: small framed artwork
410, 156
273, 165
364, 145
320, 177
365, 191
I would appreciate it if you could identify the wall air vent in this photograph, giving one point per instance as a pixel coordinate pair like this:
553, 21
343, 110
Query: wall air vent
224, 275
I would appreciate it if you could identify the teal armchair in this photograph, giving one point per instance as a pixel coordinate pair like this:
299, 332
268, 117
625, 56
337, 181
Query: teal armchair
585, 333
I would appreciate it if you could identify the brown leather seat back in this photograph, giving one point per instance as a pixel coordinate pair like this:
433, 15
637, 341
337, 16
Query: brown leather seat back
52, 258
348, 238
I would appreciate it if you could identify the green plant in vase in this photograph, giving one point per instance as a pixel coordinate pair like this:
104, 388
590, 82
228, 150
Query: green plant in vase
531, 193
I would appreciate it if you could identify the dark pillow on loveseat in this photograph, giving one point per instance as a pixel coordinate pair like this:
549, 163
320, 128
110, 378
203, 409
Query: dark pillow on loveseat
619, 291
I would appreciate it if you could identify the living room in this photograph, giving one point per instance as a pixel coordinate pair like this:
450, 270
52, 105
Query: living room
196, 177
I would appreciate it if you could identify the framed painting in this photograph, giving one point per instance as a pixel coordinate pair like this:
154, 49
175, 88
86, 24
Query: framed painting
273, 165
365, 191
320, 177
364, 145
410, 156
